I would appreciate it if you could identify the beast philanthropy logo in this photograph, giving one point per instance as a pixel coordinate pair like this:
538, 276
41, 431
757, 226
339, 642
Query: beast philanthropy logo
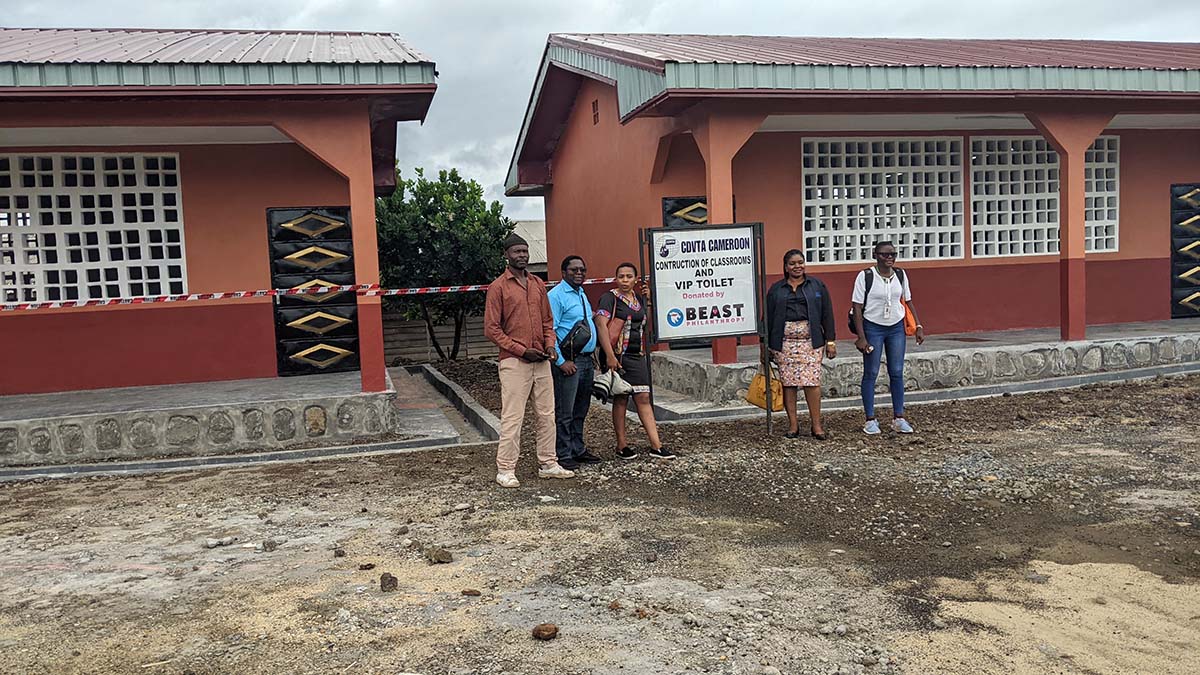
675, 317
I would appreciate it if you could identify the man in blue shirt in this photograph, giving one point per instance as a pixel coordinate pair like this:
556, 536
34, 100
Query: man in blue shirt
573, 371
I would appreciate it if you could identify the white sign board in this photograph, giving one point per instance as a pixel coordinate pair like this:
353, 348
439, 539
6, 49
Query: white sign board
704, 282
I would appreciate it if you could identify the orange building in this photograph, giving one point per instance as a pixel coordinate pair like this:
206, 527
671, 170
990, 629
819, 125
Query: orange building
1026, 183
141, 163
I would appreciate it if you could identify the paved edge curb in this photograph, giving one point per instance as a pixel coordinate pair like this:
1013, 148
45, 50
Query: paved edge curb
943, 395
485, 417
390, 391
120, 468
480, 417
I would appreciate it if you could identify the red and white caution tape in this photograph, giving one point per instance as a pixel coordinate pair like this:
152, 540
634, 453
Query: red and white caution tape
371, 290
187, 297
429, 290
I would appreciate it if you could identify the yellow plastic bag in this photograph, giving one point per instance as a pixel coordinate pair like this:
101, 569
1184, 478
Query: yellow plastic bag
757, 393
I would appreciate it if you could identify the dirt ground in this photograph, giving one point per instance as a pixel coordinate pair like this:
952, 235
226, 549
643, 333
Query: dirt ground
1044, 533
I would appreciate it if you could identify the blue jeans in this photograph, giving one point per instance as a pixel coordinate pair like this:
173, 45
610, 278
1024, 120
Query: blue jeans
892, 340
572, 400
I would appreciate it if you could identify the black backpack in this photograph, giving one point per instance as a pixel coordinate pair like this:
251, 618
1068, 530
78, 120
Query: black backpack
869, 278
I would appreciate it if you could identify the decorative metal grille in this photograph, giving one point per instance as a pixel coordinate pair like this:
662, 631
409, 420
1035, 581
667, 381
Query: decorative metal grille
1185, 250
313, 247
90, 226
858, 191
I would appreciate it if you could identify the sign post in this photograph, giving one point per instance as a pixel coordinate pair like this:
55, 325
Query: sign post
706, 282
764, 350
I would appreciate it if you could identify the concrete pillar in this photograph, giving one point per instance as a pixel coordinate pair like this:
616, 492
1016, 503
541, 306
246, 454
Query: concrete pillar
1071, 134
343, 142
720, 135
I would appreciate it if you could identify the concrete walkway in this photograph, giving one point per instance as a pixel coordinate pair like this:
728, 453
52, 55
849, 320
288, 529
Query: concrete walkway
419, 419
219, 418
166, 397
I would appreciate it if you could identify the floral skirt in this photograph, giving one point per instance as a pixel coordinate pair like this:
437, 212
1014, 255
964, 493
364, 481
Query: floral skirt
799, 362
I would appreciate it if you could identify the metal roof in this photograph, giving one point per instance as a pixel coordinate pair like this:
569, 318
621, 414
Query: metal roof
534, 232
655, 50
120, 45
34, 59
648, 70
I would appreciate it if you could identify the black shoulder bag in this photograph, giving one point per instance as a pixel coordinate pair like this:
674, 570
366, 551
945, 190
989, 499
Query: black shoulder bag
578, 337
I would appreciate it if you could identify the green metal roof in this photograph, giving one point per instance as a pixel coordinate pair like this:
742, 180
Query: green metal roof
636, 86
19, 75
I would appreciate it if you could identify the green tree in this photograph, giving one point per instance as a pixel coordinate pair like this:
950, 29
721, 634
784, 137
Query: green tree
440, 233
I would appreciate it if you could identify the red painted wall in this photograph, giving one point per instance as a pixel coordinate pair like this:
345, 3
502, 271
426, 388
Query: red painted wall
226, 190
1000, 297
127, 347
601, 194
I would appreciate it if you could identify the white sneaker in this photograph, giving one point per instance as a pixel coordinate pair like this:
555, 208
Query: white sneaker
507, 480
872, 428
555, 471
901, 426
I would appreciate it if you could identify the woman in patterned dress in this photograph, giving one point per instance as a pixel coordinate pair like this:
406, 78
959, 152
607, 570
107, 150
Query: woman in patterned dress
625, 306
800, 334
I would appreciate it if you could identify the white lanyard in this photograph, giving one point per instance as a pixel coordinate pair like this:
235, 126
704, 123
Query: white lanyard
887, 309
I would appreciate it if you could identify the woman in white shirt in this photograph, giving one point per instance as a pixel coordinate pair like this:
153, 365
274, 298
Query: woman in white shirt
879, 310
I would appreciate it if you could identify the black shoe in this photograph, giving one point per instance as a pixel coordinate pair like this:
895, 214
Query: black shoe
792, 434
587, 458
627, 453
568, 464
662, 453
819, 437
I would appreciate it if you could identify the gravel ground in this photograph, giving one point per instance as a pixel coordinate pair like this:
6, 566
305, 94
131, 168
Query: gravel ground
1044, 533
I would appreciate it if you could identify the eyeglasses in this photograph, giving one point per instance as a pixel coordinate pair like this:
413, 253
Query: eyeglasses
576, 269
887, 255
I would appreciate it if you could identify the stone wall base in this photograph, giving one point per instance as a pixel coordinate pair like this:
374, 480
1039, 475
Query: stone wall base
197, 431
943, 369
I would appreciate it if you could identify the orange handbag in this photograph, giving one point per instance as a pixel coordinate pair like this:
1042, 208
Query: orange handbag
910, 321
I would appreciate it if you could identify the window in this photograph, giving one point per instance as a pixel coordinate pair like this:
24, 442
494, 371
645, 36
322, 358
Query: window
861, 190
89, 227
595, 112
1101, 179
1014, 189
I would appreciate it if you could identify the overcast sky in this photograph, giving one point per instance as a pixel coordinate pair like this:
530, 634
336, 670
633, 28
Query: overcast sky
487, 51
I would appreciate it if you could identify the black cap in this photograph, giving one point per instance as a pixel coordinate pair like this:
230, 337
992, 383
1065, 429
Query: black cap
514, 239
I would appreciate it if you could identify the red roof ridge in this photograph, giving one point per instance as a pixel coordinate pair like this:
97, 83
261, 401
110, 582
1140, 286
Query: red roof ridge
876, 38
654, 50
246, 31
210, 45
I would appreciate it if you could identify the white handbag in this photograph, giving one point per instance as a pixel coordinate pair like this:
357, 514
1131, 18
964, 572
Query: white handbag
609, 384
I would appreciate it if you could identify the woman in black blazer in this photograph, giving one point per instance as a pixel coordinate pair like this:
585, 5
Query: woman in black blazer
800, 334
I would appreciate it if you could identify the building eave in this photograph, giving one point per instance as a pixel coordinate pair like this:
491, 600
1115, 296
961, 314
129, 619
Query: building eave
647, 85
249, 75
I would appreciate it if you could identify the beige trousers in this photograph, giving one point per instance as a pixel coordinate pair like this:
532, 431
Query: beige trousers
518, 378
